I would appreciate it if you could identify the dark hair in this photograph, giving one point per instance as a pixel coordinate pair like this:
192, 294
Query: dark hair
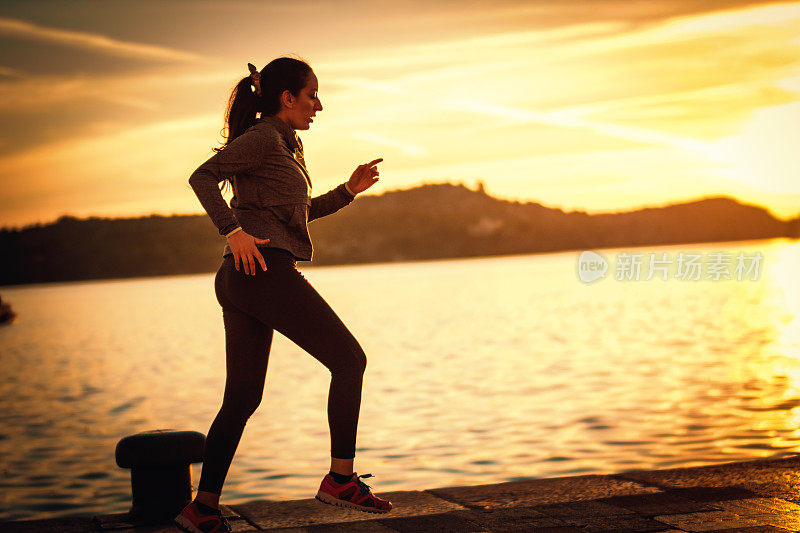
245, 106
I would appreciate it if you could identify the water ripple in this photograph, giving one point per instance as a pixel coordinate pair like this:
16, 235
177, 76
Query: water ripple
561, 378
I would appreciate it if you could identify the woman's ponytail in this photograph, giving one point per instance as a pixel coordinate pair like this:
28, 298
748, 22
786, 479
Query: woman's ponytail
243, 106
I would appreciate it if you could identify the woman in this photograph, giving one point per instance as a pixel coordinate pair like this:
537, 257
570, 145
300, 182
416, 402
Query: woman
261, 290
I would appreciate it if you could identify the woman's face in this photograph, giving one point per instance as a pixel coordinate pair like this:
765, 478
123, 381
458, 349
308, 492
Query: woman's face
304, 106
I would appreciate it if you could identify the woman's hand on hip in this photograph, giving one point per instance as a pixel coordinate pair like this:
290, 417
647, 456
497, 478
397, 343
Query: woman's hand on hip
364, 176
243, 246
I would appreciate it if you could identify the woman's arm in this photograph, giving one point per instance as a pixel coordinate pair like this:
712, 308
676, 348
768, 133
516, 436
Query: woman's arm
243, 154
363, 177
330, 202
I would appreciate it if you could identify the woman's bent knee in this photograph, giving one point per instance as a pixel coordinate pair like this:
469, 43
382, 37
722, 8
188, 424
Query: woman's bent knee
361, 363
359, 357
240, 409
351, 360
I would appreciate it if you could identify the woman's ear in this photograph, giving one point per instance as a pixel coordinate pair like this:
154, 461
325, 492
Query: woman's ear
287, 98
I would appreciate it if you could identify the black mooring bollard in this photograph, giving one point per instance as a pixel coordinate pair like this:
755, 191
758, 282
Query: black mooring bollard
161, 480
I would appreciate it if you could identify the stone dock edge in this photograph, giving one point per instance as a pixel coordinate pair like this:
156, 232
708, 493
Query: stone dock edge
742, 497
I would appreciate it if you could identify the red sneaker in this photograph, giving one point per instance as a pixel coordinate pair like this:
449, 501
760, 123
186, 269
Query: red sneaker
193, 520
354, 494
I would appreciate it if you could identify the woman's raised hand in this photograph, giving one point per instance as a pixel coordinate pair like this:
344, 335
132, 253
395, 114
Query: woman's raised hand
364, 176
243, 246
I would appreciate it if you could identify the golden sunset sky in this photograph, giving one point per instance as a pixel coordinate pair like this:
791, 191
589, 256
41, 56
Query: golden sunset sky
107, 107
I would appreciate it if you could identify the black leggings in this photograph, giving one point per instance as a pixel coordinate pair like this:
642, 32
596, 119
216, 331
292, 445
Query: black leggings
252, 308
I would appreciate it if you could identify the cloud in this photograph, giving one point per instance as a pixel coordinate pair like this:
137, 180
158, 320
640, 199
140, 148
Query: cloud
406, 147
10, 72
98, 43
38, 92
568, 120
462, 51
136, 90
142, 169
649, 83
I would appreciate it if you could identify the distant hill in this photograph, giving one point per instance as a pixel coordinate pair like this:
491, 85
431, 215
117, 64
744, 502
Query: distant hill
426, 222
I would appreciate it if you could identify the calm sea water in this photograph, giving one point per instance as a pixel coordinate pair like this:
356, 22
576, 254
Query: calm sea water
479, 371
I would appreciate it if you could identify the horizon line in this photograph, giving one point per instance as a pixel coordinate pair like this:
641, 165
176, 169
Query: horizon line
478, 188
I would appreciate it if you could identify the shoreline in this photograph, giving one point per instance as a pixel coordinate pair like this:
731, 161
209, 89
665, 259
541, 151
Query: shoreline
311, 265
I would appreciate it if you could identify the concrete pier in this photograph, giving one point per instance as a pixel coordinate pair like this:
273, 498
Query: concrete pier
745, 497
